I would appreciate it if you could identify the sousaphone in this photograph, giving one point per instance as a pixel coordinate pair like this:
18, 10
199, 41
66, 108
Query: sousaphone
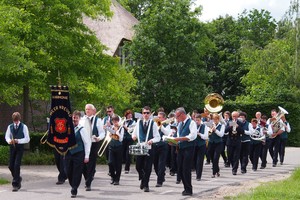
214, 102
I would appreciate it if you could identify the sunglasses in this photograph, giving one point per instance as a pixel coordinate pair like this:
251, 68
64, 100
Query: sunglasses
108, 111
146, 113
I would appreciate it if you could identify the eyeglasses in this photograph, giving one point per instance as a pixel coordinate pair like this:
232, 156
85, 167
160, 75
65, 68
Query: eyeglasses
178, 115
146, 113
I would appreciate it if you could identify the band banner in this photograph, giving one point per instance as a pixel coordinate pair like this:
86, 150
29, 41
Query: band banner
61, 134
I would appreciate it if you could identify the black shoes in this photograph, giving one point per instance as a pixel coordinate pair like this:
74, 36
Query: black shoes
185, 193
158, 185
15, 189
142, 185
177, 182
60, 182
73, 193
172, 174
88, 188
243, 171
146, 189
233, 173
274, 165
116, 183
262, 167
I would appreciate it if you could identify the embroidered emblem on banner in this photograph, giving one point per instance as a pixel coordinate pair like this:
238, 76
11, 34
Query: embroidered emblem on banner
60, 125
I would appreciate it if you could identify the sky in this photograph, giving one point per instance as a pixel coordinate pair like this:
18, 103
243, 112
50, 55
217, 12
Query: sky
212, 9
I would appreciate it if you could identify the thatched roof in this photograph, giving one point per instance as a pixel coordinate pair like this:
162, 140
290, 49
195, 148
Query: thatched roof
111, 32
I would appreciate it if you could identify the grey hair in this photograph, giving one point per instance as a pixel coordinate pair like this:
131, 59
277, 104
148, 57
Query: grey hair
91, 106
181, 110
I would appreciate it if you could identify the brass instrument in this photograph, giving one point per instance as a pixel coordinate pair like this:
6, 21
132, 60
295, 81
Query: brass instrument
211, 128
234, 126
214, 102
255, 135
110, 134
160, 123
131, 128
276, 123
105, 143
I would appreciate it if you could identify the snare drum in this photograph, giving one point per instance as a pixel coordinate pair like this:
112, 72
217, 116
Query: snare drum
138, 150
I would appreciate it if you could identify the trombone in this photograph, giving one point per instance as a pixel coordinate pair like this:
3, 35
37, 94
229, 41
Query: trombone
105, 143
108, 137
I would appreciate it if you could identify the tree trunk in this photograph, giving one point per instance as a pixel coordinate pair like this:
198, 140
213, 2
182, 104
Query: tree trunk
25, 104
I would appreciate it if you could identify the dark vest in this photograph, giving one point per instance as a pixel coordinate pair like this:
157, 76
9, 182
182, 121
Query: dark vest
105, 120
95, 130
199, 141
143, 132
17, 134
184, 131
214, 138
79, 142
161, 142
245, 126
126, 134
284, 135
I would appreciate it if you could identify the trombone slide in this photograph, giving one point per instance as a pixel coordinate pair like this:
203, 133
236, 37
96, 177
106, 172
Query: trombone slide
104, 145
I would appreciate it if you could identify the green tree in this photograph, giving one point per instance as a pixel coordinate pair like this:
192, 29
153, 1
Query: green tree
136, 7
270, 72
257, 26
224, 60
169, 46
55, 39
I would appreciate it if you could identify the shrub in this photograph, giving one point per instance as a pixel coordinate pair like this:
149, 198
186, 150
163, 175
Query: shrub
4, 155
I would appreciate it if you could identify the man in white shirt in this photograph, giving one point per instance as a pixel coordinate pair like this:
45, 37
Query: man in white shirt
16, 136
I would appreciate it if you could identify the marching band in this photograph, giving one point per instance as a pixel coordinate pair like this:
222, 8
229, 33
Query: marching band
178, 141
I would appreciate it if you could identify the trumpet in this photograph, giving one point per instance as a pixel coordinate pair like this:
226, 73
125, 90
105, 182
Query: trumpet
131, 129
210, 131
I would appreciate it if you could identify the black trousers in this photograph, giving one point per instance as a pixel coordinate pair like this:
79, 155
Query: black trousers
283, 142
15, 158
144, 167
255, 150
126, 156
89, 169
73, 168
223, 152
200, 152
115, 162
60, 165
274, 149
173, 159
159, 161
207, 154
234, 151
184, 164
215, 151
244, 156
264, 152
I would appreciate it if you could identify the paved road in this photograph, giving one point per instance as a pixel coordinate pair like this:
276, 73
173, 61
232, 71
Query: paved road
39, 183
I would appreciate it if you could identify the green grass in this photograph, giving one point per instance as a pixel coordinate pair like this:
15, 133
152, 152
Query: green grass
3, 181
285, 189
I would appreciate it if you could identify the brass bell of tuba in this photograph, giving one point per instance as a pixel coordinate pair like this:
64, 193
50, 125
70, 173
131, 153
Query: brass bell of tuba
214, 102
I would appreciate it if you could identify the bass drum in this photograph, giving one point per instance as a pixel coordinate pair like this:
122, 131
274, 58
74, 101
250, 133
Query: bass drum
138, 150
